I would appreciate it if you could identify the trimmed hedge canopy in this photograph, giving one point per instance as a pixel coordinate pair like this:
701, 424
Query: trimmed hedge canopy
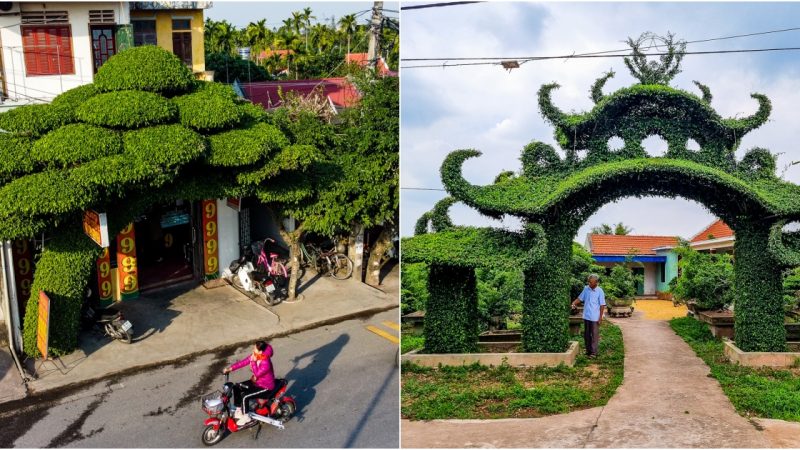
120, 146
560, 194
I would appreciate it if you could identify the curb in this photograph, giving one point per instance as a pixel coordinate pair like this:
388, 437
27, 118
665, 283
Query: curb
56, 392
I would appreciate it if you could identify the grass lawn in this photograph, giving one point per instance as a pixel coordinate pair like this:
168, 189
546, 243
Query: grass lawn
410, 342
480, 392
762, 392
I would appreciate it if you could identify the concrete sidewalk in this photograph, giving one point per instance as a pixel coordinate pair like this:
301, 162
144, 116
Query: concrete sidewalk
178, 323
667, 399
11, 384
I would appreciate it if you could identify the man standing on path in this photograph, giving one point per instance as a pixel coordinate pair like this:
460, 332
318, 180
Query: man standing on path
594, 305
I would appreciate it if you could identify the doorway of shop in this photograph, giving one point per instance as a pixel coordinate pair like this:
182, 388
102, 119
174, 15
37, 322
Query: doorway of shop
166, 245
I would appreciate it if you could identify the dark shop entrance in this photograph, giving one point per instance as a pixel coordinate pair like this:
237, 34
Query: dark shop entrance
165, 245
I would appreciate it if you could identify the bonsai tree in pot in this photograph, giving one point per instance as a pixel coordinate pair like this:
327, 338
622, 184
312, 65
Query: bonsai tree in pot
705, 281
620, 285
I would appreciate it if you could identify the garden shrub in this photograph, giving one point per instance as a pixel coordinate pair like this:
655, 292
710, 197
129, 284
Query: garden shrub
210, 108
66, 261
291, 158
144, 68
127, 109
451, 320
159, 151
15, 154
706, 278
247, 146
791, 289
34, 120
620, 285
74, 144
70, 100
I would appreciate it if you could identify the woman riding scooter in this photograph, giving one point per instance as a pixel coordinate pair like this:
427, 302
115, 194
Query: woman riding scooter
262, 380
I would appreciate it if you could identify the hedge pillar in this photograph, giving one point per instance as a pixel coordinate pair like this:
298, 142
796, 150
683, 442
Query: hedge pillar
545, 321
758, 289
451, 316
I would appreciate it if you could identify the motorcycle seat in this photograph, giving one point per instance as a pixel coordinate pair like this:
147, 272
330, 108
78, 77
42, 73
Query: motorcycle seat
258, 276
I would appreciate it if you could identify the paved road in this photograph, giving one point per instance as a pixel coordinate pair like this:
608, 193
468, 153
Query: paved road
345, 381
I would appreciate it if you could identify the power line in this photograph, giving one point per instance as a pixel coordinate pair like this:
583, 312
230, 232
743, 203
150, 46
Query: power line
698, 41
435, 5
421, 189
542, 58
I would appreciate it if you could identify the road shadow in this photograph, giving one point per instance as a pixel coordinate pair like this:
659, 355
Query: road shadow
305, 379
307, 284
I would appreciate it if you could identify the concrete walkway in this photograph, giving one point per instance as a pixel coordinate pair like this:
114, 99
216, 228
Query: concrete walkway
179, 323
666, 400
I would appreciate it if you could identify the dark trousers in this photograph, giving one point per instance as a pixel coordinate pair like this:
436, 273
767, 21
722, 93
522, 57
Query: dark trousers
240, 390
591, 336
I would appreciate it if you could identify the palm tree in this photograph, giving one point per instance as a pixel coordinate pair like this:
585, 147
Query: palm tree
306, 15
347, 25
258, 35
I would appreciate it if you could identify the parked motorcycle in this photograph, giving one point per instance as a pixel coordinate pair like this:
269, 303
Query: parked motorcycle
243, 275
275, 410
109, 321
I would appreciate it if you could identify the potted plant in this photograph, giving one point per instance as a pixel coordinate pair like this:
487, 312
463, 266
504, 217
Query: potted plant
620, 289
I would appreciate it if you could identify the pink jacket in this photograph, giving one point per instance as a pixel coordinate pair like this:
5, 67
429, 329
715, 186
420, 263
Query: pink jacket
265, 377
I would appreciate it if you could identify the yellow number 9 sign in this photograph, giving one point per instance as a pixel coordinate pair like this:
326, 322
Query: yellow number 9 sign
127, 273
210, 247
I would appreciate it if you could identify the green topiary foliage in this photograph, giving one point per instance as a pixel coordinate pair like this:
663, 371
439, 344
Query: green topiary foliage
67, 260
561, 194
291, 158
15, 153
247, 146
74, 144
211, 107
34, 120
145, 68
451, 320
52, 169
158, 152
127, 109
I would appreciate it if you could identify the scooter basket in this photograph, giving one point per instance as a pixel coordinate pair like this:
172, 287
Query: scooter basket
212, 403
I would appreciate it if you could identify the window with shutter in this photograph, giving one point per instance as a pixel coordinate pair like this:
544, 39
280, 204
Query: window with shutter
182, 46
47, 49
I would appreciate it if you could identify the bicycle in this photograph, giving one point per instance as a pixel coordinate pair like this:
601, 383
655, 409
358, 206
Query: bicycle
335, 264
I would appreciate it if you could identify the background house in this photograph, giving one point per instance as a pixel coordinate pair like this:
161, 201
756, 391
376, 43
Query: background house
52, 47
654, 255
715, 238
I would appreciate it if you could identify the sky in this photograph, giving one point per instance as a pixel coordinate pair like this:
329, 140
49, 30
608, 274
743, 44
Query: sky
242, 13
495, 111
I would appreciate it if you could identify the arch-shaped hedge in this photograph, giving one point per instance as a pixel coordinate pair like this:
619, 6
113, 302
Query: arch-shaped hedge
558, 195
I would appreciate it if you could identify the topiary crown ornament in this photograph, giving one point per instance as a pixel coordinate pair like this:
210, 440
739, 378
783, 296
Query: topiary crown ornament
554, 196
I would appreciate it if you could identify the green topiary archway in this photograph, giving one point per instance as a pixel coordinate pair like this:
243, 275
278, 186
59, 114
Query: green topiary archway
558, 195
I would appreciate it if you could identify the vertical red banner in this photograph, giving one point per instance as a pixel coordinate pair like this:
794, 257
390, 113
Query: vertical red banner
210, 239
127, 272
23, 272
105, 289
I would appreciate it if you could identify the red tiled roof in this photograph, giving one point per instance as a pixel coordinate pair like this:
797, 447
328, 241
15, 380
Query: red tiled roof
718, 230
612, 244
362, 60
341, 92
269, 53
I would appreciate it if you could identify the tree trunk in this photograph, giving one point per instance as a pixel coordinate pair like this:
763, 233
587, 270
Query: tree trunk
355, 250
376, 256
293, 239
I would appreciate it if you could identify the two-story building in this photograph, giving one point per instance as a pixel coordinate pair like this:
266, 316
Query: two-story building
47, 48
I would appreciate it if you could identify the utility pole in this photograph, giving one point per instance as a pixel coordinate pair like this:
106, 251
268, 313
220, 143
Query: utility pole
375, 34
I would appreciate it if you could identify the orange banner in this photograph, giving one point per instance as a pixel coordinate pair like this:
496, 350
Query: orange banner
43, 324
127, 272
23, 272
210, 242
105, 289
95, 225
